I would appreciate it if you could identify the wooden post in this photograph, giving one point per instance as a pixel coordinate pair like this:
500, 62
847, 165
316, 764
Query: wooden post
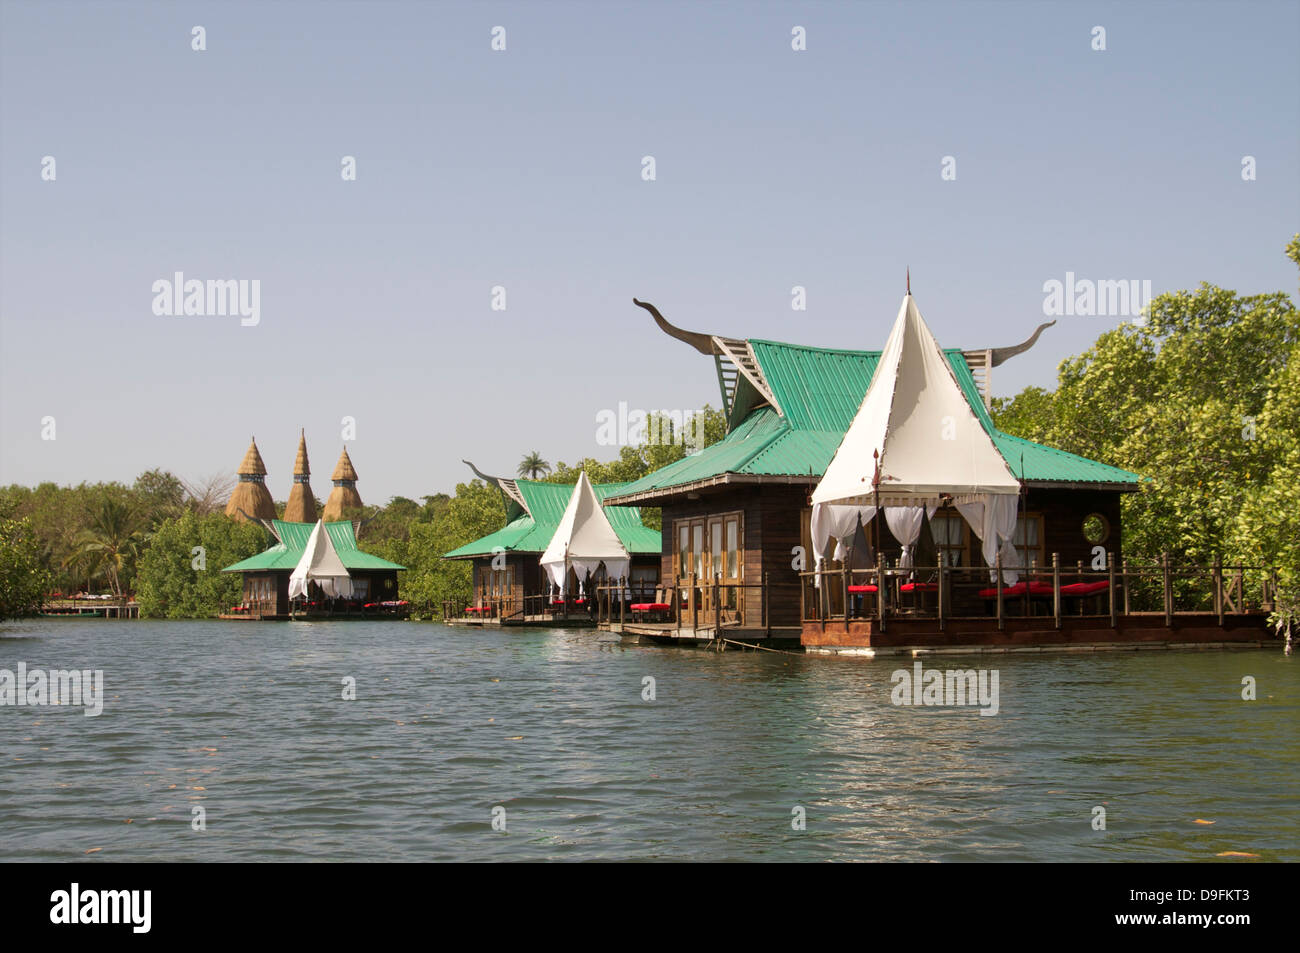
1169, 590
622, 604
880, 592
823, 594
767, 624
1110, 589
717, 604
1056, 590
695, 607
1124, 577
942, 604
1218, 588
997, 571
844, 591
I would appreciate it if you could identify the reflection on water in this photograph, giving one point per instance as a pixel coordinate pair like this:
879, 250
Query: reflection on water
247, 720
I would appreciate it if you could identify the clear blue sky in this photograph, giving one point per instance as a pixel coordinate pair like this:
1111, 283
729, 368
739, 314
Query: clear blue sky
522, 168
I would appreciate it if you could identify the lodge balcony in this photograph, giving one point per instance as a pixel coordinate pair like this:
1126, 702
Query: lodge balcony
512, 608
891, 609
1126, 605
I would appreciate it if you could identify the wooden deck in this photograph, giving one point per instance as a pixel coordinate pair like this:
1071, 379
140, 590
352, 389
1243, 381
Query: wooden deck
91, 609
667, 633
901, 636
546, 620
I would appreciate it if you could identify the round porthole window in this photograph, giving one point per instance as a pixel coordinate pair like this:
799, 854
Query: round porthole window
1096, 528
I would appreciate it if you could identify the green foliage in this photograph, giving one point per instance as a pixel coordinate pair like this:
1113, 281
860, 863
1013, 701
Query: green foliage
442, 524
23, 579
90, 533
160, 495
636, 461
171, 586
110, 536
1203, 399
533, 466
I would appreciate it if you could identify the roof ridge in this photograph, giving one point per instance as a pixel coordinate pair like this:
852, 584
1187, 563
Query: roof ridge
835, 350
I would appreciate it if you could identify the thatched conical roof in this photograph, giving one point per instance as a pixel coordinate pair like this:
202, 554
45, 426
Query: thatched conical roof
252, 465
345, 470
250, 499
344, 496
342, 499
300, 466
301, 507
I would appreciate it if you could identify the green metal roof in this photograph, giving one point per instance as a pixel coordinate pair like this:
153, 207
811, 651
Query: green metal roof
819, 391
531, 532
293, 540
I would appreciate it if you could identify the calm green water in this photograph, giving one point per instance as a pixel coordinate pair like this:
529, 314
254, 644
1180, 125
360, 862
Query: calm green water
247, 720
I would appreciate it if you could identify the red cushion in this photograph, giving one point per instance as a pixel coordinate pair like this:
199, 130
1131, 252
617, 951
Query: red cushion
862, 588
919, 587
1085, 588
651, 606
1035, 589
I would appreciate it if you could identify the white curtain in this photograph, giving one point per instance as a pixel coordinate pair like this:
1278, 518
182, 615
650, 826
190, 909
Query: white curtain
836, 521
905, 525
993, 521
558, 575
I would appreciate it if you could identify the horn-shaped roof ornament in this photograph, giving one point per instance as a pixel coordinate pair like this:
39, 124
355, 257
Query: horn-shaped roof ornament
701, 342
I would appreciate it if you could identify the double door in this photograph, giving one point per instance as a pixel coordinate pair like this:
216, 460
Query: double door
710, 547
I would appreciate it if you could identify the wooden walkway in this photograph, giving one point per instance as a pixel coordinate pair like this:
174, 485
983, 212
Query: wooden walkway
542, 621
667, 633
91, 609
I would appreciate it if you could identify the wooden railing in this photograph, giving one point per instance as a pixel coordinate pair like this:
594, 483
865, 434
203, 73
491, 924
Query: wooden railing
949, 592
697, 603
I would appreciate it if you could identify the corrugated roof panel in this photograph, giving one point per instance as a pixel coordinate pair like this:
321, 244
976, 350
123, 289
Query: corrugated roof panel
547, 502
820, 391
730, 455
293, 540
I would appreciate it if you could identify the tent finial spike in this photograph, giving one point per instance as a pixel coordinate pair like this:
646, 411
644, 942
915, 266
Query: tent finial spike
909, 281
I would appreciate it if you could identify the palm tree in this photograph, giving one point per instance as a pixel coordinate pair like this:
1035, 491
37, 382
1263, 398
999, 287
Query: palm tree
110, 539
533, 466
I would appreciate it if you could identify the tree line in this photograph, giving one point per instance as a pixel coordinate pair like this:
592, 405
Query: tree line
1201, 397
165, 541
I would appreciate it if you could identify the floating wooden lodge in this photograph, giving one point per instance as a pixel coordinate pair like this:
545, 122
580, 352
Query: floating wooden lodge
371, 589
738, 549
510, 586
266, 578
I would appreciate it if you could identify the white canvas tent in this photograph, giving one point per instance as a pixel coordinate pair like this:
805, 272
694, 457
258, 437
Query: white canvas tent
320, 564
916, 426
583, 540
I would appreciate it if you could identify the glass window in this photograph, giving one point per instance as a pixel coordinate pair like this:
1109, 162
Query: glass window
1029, 539
715, 534
683, 551
949, 532
733, 549
697, 539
